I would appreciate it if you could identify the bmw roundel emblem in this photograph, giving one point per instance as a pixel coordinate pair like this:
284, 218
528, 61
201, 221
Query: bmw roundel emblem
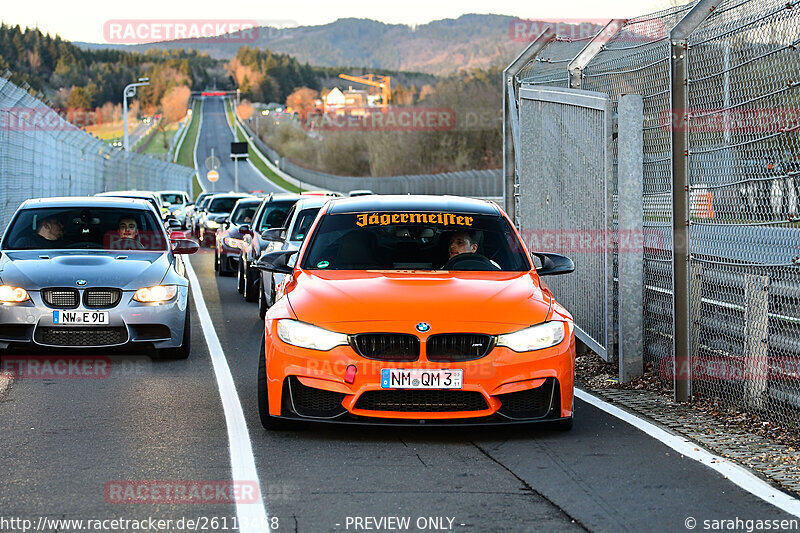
80, 282
422, 327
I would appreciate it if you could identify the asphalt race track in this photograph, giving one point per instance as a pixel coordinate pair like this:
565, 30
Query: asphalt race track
67, 444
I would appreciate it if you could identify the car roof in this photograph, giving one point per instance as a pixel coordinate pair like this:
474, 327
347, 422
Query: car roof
172, 192
284, 196
390, 203
138, 194
313, 201
254, 201
86, 201
233, 195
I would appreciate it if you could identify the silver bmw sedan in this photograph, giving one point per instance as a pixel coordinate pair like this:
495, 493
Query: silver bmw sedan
93, 272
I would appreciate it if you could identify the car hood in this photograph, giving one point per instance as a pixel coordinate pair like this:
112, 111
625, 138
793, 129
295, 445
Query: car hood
510, 298
34, 269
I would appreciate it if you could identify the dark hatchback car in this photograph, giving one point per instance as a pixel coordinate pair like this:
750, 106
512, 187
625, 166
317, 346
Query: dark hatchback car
271, 214
229, 237
212, 216
289, 237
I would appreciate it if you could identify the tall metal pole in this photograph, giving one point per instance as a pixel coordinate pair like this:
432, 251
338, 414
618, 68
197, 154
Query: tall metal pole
511, 117
125, 119
681, 217
236, 174
129, 91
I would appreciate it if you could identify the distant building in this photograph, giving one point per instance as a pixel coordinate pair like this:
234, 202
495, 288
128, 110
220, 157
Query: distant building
349, 102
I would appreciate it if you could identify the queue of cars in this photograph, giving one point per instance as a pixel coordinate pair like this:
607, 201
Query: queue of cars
377, 309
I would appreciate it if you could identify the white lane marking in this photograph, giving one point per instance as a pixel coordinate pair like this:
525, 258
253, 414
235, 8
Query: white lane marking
252, 516
196, 144
736, 474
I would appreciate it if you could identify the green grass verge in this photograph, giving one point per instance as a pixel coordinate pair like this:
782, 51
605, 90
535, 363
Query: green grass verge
186, 154
161, 137
196, 188
254, 156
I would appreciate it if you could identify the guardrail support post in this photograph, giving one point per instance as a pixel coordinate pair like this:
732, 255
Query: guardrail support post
631, 243
681, 283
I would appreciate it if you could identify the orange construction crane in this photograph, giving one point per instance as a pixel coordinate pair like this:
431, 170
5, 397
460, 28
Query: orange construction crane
382, 82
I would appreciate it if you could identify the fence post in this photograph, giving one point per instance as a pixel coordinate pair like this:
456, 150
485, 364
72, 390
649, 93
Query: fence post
681, 283
631, 245
589, 51
756, 364
511, 118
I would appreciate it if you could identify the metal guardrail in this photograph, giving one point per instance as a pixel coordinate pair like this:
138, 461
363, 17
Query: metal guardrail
43, 155
475, 183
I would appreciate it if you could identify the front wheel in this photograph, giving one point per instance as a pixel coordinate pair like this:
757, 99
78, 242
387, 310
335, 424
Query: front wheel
263, 306
250, 286
565, 424
240, 276
182, 351
267, 421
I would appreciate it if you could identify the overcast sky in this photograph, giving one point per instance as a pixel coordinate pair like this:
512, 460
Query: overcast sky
83, 20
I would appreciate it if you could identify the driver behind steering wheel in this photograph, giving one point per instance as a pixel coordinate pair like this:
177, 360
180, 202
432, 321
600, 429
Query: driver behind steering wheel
465, 242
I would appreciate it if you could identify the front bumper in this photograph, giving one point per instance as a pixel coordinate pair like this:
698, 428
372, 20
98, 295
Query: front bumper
500, 388
131, 324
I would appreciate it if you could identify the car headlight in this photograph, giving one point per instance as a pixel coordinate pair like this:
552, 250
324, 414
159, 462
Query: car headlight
212, 224
233, 243
307, 336
11, 294
534, 338
156, 293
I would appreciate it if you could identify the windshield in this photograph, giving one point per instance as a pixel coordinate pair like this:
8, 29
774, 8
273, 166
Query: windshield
274, 215
174, 199
305, 218
222, 205
415, 241
244, 212
85, 227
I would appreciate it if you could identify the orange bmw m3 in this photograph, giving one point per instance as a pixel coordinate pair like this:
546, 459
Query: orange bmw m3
411, 310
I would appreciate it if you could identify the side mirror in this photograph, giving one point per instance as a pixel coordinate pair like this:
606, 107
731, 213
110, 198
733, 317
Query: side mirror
184, 246
173, 223
274, 234
275, 262
553, 264
245, 229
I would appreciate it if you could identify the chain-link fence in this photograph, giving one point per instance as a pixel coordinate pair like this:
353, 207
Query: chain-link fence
43, 155
475, 183
741, 129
